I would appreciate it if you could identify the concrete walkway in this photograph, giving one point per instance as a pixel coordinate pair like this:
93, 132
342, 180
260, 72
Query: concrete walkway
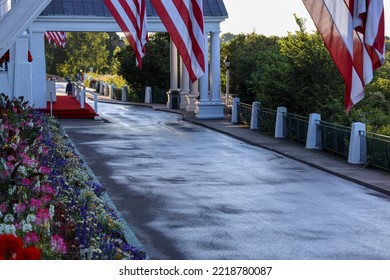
375, 179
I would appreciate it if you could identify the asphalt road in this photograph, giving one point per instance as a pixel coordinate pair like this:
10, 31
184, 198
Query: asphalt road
191, 193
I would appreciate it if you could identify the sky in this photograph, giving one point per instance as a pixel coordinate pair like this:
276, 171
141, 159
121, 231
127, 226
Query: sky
272, 17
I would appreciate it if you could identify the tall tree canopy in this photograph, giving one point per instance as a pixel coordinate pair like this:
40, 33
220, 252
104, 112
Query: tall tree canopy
155, 65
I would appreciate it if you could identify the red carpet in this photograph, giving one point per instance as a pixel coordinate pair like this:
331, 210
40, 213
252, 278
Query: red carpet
67, 107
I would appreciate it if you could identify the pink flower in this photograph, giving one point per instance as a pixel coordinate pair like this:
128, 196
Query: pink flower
4, 174
45, 170
46, 188
31, 238
35, 203
10, 165
3, 207
25, 182
42, 217
45, 199
58, 244
19, 208
45, 150
10, 158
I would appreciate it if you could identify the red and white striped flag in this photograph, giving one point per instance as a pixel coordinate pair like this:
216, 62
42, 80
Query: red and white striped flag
353, 32
131, 18
184, 22
58, 38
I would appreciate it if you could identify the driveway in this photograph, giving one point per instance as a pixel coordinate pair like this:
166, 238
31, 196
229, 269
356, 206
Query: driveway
188, 192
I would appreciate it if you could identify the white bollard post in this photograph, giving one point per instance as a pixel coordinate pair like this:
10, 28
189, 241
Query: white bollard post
255, 114
124, 93
312, 132
148, 95
95, 102
279, 127
111, 91
355, 156
234, 118
82, 99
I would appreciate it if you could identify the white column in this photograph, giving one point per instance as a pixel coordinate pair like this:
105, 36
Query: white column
38, 68
215, 68
204, 80
22, 75
184, 84
214, 108
173, 77
173, 67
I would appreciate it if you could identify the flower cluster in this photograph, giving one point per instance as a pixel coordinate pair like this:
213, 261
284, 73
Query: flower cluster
12, 248
47, 197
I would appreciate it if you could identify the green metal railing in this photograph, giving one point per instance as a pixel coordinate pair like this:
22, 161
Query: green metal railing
378, 149
335, 138
244, 113
295, 127
266, 120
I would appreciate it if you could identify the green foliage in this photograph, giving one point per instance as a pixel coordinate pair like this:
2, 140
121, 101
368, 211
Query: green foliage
248, 54
83, 50
297, 72
301, 77
155, 65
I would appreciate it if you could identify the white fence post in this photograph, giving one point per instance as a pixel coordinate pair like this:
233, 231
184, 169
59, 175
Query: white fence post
354, 154
124, 93
312, 132
279, 127
255, 114
95, 102
234, 118
82, 99
148, 95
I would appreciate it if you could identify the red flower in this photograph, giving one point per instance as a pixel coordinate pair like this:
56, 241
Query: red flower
11, 248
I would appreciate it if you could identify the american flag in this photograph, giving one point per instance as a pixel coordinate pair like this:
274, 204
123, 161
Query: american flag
353, 32
131, 18
184, 22
58, 38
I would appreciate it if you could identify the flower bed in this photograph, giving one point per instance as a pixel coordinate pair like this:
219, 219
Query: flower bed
48, 201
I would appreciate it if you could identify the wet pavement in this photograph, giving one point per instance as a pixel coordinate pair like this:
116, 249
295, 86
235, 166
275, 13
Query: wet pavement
188, 192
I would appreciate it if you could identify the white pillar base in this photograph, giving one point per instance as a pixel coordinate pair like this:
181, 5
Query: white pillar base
191, 100
183, 99
209, 110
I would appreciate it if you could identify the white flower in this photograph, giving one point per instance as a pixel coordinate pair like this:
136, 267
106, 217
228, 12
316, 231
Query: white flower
9, 218
51, 211
7, 229
30, 218
26, 227
11, 190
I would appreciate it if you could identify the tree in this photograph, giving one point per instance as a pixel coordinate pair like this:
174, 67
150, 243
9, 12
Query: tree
155, 64
302, 77
248, 54
82, 50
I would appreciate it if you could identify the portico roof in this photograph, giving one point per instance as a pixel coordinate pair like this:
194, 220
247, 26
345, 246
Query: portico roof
214, 8
93, 15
